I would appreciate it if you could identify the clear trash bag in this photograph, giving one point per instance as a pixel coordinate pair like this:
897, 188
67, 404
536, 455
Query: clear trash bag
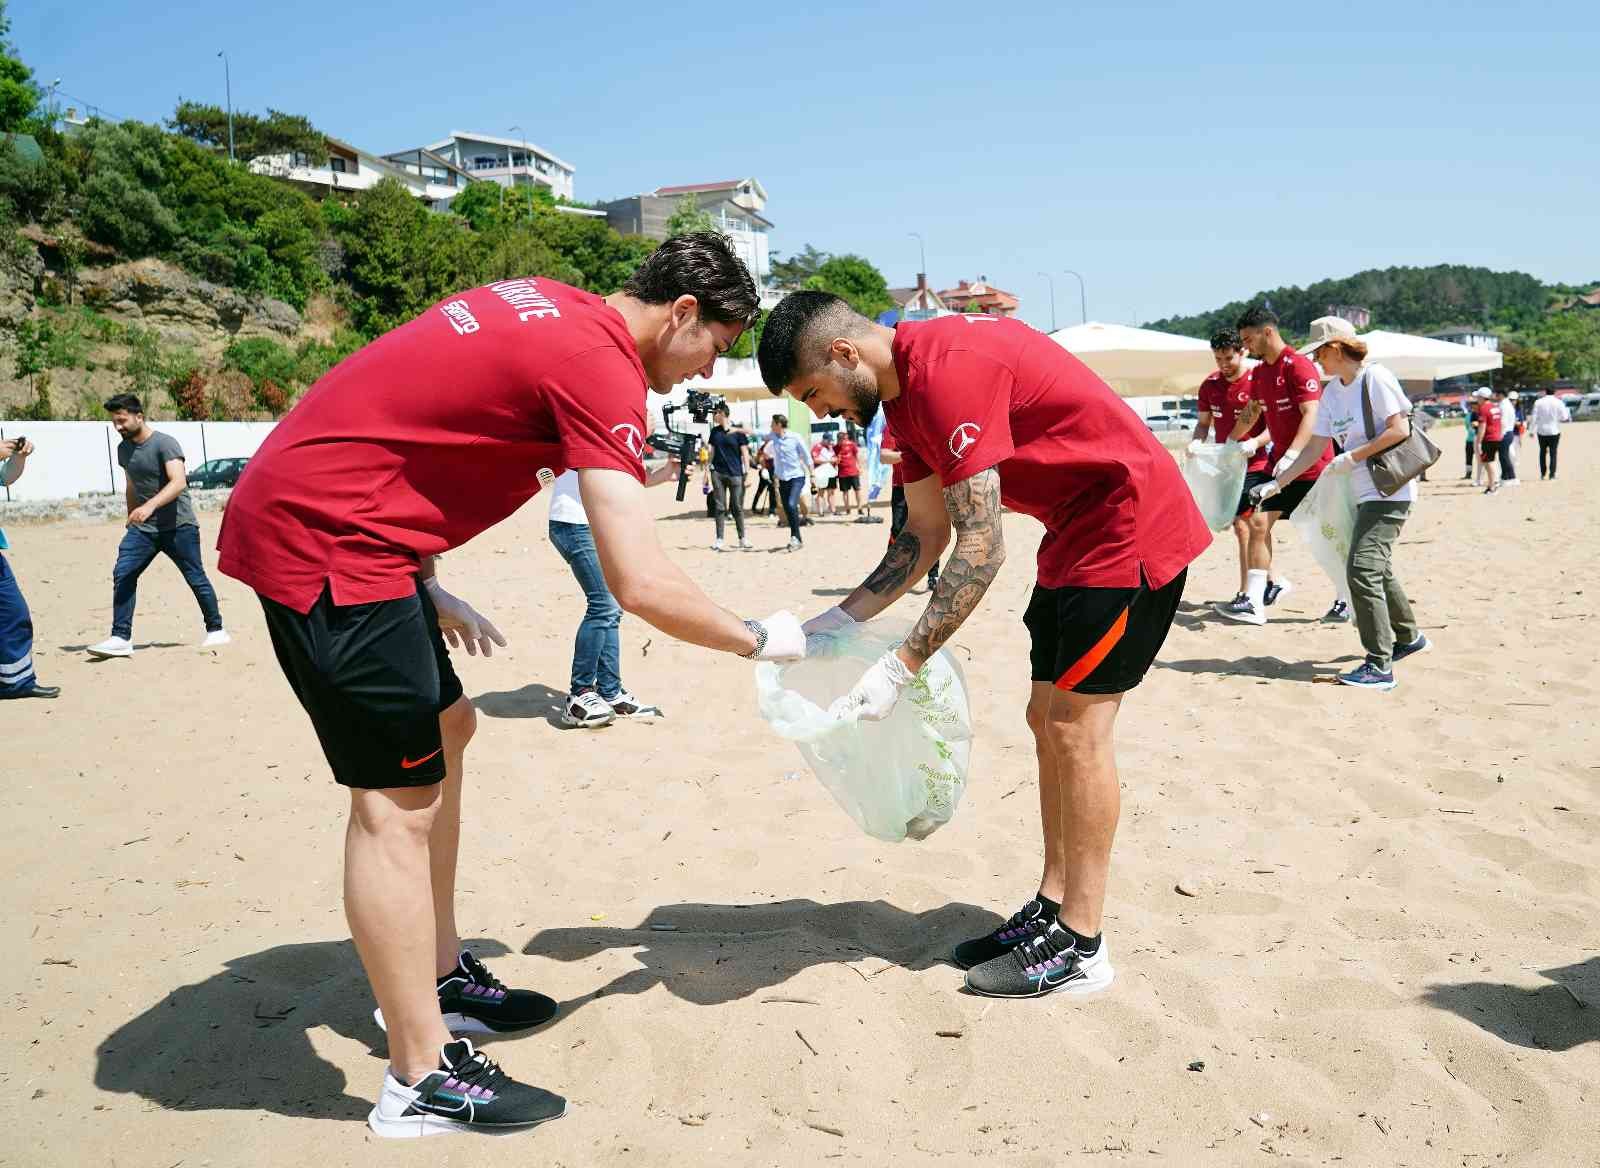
1326, 520
899, 777
1215, 474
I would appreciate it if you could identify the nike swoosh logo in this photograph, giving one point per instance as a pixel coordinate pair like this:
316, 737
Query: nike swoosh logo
409, 763
1073, 975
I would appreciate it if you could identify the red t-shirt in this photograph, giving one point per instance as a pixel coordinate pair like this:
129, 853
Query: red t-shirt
430, 434
1491, 421
1223, 400
848, 455
978, 392
887, 442
1282, 386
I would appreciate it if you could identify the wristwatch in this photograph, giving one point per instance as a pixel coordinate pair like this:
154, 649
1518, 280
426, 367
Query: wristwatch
760, 630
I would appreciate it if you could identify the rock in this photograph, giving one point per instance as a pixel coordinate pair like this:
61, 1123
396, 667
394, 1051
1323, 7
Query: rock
1198, 1065
179, 306
1193, 885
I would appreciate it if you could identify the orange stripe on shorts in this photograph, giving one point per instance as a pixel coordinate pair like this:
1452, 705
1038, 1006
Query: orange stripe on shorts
1091, 660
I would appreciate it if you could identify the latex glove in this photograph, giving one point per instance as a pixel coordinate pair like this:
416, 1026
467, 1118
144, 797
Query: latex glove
875, 695
1342, 464
1194, 448
463, 626
1251, 445
832, 621
1285, 462
1260, 494
786, 640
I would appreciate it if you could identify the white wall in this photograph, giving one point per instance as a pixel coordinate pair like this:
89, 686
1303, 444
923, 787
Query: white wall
71, 458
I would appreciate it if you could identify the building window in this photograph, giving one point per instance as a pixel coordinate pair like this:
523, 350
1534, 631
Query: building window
337, 165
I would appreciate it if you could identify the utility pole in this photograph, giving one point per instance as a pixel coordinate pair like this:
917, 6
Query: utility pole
1083, 297
227, 80
526, 161
1052, 282
922, 251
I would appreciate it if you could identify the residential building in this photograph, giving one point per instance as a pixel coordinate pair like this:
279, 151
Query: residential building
918, 303
1359, 318
980, 296
349, 168
1473, 338
494, 158
734, 206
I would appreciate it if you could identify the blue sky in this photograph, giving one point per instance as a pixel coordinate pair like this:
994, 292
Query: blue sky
1177, 155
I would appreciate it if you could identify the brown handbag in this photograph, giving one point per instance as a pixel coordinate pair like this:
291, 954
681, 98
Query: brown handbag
1393, 468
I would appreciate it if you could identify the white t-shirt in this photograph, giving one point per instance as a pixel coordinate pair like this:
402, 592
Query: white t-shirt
566, 505
1339, 417
1548, 414
1508, 418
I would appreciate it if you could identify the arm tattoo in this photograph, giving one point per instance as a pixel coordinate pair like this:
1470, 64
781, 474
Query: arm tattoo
898, 564
974, 507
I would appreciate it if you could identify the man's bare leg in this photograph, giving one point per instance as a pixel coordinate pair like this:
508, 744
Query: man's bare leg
1241, 532
456, 726
1080, 732
1053, 883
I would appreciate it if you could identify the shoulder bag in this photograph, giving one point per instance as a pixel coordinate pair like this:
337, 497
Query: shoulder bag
1393, 468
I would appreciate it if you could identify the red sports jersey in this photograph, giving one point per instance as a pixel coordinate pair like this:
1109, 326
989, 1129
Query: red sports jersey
889, 442
978, 392
1491, 421
849, 456
430, 434
1224, 400
1281, 387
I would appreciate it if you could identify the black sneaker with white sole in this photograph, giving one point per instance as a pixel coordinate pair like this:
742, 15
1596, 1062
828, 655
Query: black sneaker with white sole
474, 1001
1276, 591
1030, 919
1240, 609
468, 1093
1339, 614
1420, 645
1048, 962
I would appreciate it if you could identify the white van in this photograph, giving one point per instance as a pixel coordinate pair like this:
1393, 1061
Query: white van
1588, 408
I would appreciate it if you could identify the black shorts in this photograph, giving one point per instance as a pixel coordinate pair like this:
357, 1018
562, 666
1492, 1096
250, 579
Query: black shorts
849, 482
1286, 500
1099, 640
1252, 478
374, 678
1491, 449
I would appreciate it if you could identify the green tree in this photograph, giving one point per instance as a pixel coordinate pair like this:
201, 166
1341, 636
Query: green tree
400, 257
1524, 366
1573, 339
793, 272
33, 349
854, 279
19, 96
253, 136
689, 216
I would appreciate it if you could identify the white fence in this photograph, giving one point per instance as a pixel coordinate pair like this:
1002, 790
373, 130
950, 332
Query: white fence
71, 458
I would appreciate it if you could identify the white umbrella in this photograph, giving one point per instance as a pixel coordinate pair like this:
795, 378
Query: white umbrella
1412, 358
1138, 362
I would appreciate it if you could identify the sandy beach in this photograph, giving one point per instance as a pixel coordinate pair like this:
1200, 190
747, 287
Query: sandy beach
1387, 962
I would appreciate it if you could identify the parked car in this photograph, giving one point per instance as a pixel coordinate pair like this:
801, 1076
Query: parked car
1589, 408
217, 472
1165, 422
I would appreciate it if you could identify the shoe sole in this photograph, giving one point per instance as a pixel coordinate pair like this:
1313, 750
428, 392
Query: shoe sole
411, 1127
460, 1025
1097, 982
1380, 686
102, 655
1238, 618
586, 723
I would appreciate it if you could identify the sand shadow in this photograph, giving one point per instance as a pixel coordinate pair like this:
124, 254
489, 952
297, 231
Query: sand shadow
1553, 1017
239, 1040
147, 645
1272, 668
720, 953
534, 700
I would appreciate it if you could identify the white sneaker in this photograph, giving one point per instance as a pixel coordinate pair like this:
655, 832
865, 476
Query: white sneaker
625, 705
588, 710
717, 546
216, 637
794, 544
746, 544
112, 647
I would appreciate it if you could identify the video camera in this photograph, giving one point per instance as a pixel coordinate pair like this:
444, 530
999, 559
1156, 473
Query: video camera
700, 406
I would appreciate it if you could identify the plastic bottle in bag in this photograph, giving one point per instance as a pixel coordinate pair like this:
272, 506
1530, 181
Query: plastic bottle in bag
1215, 474
899, 777
1326, 520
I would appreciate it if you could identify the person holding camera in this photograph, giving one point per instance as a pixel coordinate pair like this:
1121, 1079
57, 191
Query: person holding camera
17, 678
730, 457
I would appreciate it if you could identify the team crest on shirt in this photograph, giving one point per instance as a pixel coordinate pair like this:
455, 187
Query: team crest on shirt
963, 437
631, 438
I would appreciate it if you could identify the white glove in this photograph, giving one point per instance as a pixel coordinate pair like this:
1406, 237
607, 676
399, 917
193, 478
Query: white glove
1259, 495
786, 641
1342, 464
1251, 445
1285, 462
875, 695
835, 619
462, 625
1194, 448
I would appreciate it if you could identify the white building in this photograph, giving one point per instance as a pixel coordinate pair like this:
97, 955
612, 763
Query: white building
734, 206
507, 161
349, 168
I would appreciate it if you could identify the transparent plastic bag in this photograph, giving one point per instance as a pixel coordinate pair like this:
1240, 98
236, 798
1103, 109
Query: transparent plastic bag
1215, 474
899, 777
1326, 520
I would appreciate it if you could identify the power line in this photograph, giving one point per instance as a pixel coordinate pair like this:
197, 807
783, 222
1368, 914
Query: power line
90, 107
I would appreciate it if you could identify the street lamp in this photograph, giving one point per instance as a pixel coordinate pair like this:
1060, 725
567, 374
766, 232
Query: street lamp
922, 251
1083, 298
227, 79
526, 161
1052, 283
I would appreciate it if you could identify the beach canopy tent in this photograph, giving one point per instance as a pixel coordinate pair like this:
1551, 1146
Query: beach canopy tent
1138, 362
1412, 358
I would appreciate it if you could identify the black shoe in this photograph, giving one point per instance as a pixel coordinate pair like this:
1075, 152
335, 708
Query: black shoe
468, 1093
1025, 923
1046, 963
1338, 614
1420, 645
474, 1001
38, 691
1276, 591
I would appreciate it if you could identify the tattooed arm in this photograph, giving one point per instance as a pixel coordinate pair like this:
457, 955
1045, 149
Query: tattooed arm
974, 509
916, 549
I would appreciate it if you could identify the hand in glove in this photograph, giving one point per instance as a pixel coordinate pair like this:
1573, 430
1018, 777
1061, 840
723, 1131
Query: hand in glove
875, 695
1260, 494
1251, 445
1285, 462
462, 625
1342, 464
832, 621
785, 640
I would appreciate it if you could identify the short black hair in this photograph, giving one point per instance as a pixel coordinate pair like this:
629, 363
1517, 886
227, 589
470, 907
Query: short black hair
780, 420
1226, 338
789, 346
704, 265
124, 401
1256, 316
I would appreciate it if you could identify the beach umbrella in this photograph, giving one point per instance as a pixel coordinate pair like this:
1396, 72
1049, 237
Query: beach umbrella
1138, 362
1412, 358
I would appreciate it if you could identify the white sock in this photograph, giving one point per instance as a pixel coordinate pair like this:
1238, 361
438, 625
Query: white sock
1256, 588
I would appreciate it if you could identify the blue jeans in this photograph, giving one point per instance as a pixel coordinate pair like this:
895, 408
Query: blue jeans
791, 489
597, 650
136, 553
16, 636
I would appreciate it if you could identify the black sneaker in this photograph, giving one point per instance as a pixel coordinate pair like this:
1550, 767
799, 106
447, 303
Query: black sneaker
1027, 921
1276, 591
1339, 614
1420, 645
474, 1001
1240, 609
1044, 964
468, 1093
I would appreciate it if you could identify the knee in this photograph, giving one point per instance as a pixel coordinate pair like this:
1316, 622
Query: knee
400, 815
458, 723
1259, 525
1038, 716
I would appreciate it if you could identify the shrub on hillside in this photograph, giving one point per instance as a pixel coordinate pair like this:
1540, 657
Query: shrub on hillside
189, 397
272, 397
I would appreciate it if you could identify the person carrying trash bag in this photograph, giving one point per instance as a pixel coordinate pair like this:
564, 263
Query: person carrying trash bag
989, 413
1383, 614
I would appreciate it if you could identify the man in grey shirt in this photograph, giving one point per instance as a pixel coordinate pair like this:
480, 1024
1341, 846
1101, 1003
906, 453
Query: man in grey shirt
160, 520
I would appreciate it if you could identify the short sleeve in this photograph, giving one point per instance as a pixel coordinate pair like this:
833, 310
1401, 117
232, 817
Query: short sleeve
1307, 383
171, 449
1322, 424
597, 399
1388, 398
963, 427
1258, 385
1208, 404
122, 455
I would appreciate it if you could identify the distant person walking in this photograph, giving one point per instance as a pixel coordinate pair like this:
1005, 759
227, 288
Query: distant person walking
161, 521
1490, 431
17, 678
1469, 415
1224, 395
1550, 413
730, 457
1509, 433
849, 456
824, 473
791, 467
